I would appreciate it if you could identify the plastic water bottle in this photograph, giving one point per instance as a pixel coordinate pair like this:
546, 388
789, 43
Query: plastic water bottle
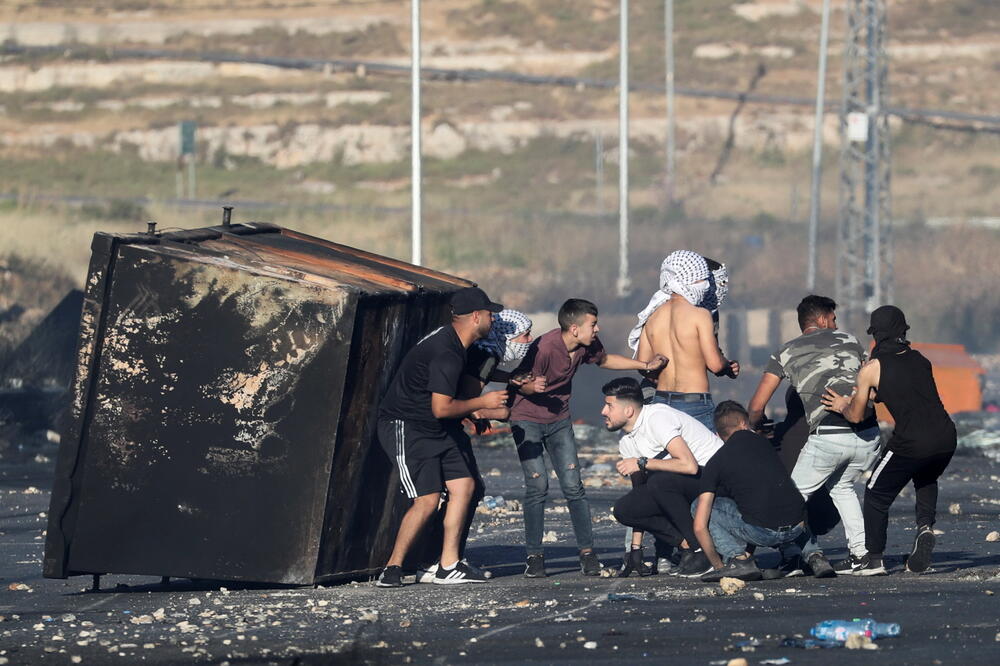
809, 643
499, 500
490, 502
839, 630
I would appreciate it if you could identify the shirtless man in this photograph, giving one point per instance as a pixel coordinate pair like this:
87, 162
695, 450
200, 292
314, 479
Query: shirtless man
676, 327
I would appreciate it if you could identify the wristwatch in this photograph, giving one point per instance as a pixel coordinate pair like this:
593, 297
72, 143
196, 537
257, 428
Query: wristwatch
641, 462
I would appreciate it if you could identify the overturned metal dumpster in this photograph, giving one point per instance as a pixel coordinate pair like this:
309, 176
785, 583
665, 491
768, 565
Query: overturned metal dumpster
223, 410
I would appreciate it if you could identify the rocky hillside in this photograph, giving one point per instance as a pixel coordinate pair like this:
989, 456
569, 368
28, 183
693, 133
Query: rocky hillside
534, 165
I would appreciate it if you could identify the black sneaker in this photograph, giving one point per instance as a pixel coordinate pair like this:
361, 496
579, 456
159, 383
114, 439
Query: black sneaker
666, 566
790, 568
390, 577
847, 567
694, 563
870, 566
920, 558
459, 574
535, 567
589, 564
632, 562
821, 567
737, 568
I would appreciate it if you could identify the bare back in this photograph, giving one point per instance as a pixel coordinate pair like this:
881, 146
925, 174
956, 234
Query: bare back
676, 329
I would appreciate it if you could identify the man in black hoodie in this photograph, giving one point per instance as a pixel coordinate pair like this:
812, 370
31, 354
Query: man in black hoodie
922, 443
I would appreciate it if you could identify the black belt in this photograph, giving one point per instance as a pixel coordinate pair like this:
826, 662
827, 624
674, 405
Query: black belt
833, 430
684, 397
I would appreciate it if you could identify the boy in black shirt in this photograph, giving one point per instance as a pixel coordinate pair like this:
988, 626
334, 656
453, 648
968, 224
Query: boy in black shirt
747, 497
416, 426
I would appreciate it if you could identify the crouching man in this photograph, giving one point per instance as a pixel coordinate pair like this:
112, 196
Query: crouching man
663, 451
747, 498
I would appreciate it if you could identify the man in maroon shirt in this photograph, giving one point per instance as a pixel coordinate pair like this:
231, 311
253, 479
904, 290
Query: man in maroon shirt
540, 421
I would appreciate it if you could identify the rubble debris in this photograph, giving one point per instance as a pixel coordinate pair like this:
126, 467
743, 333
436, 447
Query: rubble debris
19, 587
955, 509
539, 643
759, 596
993, 536
859, 642
590, 645
550, 537
731, 585
739, 661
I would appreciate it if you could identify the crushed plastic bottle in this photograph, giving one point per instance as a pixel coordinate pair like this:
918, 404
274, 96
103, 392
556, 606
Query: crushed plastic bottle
839, 630
491, 502
809, 643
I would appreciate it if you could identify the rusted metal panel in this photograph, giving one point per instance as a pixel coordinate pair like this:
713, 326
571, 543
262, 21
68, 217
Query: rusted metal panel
223, 408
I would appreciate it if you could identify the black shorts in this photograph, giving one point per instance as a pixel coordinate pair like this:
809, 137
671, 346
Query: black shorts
425, 461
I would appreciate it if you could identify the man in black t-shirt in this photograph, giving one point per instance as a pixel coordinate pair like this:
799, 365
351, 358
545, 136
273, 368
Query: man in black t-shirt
416, 427
747, 497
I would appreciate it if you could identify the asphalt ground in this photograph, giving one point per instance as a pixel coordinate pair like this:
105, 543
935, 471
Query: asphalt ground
948, 615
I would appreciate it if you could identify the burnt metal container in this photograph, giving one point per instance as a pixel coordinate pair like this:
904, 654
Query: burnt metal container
222, 418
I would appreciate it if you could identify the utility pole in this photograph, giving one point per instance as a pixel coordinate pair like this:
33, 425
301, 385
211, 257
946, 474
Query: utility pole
817, 172
864, 260
668, 28
624, 283
415, 163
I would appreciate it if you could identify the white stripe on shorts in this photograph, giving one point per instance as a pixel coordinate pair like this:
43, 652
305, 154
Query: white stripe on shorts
404, 472
878, 470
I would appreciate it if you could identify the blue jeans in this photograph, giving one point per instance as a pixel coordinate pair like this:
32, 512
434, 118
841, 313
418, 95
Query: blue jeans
702, 409
556, 438
731, 534
836, 460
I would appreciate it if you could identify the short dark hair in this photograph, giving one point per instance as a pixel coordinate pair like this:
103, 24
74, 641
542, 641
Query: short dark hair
729, 416
573, 310
624, 388
813, 306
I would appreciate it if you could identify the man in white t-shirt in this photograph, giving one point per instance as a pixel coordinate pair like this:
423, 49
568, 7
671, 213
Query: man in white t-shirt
663, 451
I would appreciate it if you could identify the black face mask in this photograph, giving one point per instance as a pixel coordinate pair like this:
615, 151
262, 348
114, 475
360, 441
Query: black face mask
888, 327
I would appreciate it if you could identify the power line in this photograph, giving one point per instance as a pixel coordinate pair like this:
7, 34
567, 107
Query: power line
986, 122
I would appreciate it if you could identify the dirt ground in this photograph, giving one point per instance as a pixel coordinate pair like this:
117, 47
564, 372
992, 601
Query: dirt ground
947, 615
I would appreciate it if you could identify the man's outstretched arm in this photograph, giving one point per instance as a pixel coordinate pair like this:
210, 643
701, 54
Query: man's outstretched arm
765, 389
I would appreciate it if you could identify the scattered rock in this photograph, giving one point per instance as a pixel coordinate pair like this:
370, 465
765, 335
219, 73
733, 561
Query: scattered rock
31, 490
494, 472
607, 573
955, 509
993, 536
539, 643
739, 661
664, 620
404, 623
590, 645
142, 619
759, 596
859, 642
699, 618
523, 603
380, 644
731, 585
19, 587
550, 537
159, 614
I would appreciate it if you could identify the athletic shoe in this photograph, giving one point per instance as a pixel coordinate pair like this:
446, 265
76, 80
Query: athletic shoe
459, 574
535, 567
870, 566
737, 568
848, 567
390, 577
633, 562
920, 557
589, 564
427, 575
821, 567
667, 567
694, 563
790, 568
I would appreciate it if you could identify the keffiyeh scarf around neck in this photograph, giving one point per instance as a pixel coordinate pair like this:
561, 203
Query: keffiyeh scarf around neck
678, 273
507, 325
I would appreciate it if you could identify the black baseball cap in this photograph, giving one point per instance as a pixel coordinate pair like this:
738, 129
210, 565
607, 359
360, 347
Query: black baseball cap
471, 299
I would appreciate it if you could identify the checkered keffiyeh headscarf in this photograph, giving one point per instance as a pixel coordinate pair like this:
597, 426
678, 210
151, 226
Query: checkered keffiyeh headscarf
678, 274
507, 325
